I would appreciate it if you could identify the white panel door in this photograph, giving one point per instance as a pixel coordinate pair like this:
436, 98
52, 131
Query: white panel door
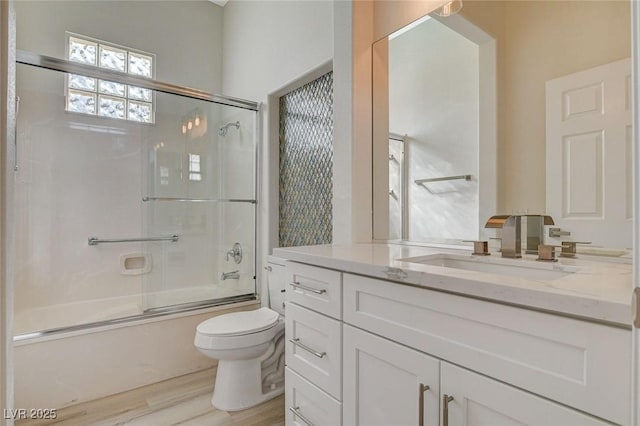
588, 147
475, 400
384, 383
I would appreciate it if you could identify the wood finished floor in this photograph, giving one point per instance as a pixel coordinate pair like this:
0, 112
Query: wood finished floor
184, 400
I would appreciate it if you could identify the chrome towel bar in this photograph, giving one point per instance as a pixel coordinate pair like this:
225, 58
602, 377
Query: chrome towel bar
93, 241
440, 179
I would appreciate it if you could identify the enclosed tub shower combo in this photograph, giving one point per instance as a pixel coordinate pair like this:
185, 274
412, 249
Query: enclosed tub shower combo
133, 198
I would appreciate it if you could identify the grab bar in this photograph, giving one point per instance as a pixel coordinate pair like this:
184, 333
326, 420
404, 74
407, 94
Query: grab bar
440, 179
200, 200
93, 241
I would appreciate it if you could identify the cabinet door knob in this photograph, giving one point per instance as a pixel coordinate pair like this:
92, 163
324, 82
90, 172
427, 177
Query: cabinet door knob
423, 388
446, 399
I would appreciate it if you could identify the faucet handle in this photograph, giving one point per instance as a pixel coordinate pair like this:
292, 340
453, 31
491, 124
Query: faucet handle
235, 253
547, 253
480, 248
569, 248
557, 232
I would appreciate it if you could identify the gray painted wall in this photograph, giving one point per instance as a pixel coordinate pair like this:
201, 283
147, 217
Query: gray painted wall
185, 36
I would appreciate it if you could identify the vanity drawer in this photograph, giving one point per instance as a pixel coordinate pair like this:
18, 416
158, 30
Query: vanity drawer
304, 401
314, 348
581, 364
316, 288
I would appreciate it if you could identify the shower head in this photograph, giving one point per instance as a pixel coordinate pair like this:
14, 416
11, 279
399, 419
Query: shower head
222, 131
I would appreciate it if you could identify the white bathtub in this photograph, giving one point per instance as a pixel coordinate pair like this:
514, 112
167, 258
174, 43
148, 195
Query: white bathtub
72, 314
65, 368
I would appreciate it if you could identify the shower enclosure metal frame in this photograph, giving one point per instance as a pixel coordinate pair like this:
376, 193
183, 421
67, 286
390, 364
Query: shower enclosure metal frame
61, 65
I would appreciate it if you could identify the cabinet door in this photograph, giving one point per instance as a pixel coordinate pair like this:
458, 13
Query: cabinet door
480, 401
383, 382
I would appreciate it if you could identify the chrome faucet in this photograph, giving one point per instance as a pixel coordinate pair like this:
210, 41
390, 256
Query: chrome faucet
511, 242
511, 228
535, 231
233, 275
511, 232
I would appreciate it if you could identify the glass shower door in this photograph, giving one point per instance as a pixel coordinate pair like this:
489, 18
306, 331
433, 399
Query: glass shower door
78, 177
200, 173
119, 215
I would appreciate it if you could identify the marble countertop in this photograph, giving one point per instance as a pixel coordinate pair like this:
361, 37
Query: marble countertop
595, 289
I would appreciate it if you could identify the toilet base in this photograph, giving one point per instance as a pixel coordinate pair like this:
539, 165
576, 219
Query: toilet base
238, 385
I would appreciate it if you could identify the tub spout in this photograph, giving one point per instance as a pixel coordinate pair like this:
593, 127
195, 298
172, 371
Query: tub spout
233, 275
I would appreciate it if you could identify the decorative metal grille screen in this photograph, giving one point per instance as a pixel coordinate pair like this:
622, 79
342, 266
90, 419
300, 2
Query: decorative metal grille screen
306, 159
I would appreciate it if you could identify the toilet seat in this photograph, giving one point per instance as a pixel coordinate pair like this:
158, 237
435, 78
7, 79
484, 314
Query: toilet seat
239, 323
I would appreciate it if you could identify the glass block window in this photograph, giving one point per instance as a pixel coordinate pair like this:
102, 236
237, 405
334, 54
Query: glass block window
87, 95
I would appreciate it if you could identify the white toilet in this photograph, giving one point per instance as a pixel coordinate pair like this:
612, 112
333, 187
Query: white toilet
249, 347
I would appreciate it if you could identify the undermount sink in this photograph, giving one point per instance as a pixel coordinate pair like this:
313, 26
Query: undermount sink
522, 268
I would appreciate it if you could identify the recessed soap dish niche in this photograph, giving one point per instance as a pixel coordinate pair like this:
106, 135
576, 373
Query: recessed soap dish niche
135, 263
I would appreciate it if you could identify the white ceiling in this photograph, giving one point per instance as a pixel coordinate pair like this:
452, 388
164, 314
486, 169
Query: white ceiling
219, 2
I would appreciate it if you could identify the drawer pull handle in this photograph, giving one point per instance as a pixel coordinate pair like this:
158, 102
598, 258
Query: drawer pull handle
446, 399
296, 412
422, 390
296, 342
311, 289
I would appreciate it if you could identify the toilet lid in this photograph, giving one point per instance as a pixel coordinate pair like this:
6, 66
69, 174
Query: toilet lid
238, 323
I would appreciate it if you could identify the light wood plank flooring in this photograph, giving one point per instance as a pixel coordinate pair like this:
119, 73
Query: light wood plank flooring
184, 400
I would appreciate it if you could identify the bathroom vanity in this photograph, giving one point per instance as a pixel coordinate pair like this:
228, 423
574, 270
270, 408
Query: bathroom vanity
382, 334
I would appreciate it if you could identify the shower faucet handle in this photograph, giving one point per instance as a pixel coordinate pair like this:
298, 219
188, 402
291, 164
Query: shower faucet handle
235, 253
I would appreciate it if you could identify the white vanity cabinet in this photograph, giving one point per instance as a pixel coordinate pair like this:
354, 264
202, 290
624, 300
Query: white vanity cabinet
313, 330
580, 364
386, 383
411, 355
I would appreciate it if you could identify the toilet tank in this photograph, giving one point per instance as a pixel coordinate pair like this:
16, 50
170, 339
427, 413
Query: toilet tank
276, 283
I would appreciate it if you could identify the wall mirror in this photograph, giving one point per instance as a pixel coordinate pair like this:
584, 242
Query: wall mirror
509, 107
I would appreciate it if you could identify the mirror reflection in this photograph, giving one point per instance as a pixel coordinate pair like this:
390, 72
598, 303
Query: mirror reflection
509, 107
